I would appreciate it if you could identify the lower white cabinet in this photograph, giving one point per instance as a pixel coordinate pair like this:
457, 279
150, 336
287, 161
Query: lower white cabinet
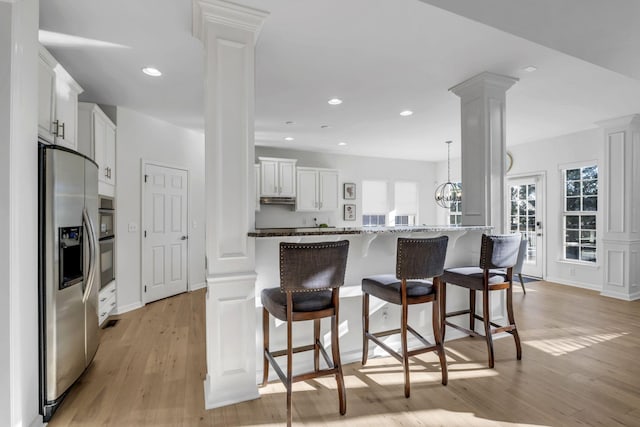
107, 302
317, 189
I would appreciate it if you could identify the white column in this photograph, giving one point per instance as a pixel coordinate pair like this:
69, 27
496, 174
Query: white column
482, 99
620, 178
229, 32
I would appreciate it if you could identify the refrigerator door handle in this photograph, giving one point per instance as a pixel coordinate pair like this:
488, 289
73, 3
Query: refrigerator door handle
92, 255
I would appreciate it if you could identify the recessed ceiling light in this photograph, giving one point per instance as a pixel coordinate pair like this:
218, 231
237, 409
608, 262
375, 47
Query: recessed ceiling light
406, 113
335, 101
342, 143
153, 72
530, 68
288, 138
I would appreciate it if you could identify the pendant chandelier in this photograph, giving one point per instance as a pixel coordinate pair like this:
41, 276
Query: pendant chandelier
448, 194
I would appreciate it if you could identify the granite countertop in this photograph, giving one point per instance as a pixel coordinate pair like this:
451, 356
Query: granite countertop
316, 231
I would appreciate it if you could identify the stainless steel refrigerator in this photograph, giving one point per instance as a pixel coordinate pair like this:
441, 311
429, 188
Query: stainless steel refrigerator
68, 270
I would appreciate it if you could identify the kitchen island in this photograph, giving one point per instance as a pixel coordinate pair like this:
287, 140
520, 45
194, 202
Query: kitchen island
372, 250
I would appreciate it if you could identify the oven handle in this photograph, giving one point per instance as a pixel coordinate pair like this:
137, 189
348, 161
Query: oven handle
92, 254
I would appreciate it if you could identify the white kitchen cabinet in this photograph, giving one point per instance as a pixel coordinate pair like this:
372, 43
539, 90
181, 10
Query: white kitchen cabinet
106, 302
317, 189
57, 102
256, 190
278, 177
97, 136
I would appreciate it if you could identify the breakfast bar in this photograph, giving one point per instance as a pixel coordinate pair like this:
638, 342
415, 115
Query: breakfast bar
371, 251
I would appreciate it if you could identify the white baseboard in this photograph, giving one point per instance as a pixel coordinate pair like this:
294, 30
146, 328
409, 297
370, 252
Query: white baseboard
230, 397
197, 286
129, 307
622, 296
575, 284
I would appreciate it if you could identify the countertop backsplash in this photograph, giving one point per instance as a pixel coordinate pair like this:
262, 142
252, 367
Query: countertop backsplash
278, 216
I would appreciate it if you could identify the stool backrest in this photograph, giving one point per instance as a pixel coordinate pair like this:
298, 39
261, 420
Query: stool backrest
421, 258
517, 269
499, 251
308, 267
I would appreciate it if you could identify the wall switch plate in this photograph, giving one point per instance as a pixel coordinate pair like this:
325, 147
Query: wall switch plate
133, 227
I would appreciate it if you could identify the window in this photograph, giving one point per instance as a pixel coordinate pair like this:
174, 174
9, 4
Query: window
455, 211
580, 209
406, 203
373, 220
374, 203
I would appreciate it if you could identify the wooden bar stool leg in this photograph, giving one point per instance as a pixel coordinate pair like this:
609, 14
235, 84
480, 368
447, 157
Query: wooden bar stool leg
512, 321
365, 327
435, 318
522, 283
265, 349
403, 337
289, 383
472, 310
335, 349
443, 309
316, 344
486, 315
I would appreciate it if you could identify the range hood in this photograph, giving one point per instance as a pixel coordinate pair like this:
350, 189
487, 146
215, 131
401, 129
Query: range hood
278, 201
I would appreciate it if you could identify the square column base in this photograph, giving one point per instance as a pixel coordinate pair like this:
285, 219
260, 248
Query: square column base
231, 337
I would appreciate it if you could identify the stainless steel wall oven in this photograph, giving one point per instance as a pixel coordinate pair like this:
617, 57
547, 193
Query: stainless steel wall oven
107, 240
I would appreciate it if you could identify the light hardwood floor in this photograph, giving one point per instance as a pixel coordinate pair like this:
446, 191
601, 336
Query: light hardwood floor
580, 366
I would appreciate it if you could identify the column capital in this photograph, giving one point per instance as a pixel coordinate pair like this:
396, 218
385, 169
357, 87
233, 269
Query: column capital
632, 120
227, 14
484, 80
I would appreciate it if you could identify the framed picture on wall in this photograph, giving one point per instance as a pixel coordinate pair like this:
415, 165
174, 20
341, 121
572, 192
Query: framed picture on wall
349, 191
349, 212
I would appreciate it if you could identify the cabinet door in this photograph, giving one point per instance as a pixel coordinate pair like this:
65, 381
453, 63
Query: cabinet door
328, 190
66, 114
269, 175
46, 100
100, 140
287, 179
256, 190
307, 197
110, 154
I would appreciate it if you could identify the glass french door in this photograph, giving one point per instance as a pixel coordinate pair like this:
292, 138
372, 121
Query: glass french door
525, 216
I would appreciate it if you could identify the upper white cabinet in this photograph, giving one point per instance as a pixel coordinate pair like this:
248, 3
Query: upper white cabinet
256, 176
317, 189
97, 135
57, 102
278, 177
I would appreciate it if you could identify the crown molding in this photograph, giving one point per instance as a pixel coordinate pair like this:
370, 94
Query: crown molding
486, 79
632, 120
227, 14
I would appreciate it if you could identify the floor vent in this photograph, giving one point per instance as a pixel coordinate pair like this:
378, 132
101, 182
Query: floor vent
110, 323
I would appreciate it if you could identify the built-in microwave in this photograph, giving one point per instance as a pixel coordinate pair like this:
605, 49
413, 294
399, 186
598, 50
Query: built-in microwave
106, 215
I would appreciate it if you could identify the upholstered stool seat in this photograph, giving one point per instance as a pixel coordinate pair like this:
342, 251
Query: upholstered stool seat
388, 288
416, 261
498, 255
275, 301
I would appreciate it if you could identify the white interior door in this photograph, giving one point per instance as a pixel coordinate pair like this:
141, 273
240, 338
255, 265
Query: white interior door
165, 235
526, 201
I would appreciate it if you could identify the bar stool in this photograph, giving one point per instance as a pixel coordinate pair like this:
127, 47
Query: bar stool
310, 278
416, 259
498, 255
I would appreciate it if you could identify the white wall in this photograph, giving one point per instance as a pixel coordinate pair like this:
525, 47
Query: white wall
140, 137
549, 156
18, 213
352, 169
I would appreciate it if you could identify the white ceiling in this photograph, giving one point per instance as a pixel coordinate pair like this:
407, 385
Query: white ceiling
379, 56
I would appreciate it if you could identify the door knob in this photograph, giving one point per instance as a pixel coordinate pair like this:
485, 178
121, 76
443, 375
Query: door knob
184, 238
